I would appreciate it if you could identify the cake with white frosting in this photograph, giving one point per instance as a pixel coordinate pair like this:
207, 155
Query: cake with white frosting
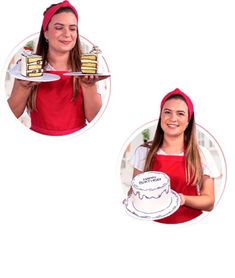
31, 64
151, 192
90, 62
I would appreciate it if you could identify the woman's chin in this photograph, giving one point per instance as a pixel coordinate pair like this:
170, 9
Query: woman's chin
173, 133
64, 48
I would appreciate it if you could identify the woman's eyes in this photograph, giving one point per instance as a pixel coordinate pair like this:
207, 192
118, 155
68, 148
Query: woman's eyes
59, 28
167, 112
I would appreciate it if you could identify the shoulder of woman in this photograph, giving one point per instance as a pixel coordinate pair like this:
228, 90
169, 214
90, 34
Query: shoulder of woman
204, 151
208, 162
141, 152
138, 158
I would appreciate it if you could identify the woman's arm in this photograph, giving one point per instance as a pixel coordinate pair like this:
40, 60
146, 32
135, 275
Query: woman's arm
19, 96
205, 201
92, 100
135, 172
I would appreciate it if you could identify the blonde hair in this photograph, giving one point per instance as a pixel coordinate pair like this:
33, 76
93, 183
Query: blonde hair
193, 167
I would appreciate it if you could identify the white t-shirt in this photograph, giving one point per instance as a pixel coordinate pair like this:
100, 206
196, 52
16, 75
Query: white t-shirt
208, 164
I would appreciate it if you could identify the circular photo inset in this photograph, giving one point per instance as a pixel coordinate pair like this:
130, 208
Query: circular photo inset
57, 82
172, 169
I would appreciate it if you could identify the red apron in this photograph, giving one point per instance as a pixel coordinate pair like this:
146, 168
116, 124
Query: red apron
174, 167
56, 112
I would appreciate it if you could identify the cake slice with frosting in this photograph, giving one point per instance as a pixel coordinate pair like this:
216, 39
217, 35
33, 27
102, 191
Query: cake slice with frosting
31, 64
89, 63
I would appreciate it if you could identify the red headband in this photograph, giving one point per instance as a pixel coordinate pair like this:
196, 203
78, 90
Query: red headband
186, 98
51, 11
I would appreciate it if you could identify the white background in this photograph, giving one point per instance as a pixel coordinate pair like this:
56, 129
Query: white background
60, 198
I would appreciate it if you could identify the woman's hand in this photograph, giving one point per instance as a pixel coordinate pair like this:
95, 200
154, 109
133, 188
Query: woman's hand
129, 192
88, 80
124, 202
182, 199
26, 84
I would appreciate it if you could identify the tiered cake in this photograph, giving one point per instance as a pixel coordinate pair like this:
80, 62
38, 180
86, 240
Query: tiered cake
151, 192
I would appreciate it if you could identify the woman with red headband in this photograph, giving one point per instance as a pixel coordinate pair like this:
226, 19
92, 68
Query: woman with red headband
64, 106
174, 151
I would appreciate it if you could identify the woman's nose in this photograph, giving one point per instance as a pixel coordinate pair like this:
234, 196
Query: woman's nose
173, 117
66, 32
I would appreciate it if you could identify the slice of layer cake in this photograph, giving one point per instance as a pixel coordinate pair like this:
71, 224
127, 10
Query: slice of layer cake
31, 64
89, 63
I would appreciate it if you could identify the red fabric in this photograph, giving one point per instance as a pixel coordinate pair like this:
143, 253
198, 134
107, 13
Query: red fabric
57, 113
174, 167
51, 11
186, 98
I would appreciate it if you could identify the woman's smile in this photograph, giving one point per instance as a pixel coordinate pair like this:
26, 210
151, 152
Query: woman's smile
65, 42
172, 125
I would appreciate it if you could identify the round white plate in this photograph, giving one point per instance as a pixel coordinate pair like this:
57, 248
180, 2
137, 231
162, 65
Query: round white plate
46, 77
102, 75
174, 205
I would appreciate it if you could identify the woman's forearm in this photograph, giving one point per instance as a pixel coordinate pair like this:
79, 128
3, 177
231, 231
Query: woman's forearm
92, 102
202, 202
17, 107
206, 199
18, 99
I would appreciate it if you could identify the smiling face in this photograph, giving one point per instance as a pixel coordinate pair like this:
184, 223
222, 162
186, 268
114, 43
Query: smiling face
62, 32
174, 117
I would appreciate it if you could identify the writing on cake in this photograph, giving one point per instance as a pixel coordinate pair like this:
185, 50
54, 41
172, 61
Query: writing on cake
149, 179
